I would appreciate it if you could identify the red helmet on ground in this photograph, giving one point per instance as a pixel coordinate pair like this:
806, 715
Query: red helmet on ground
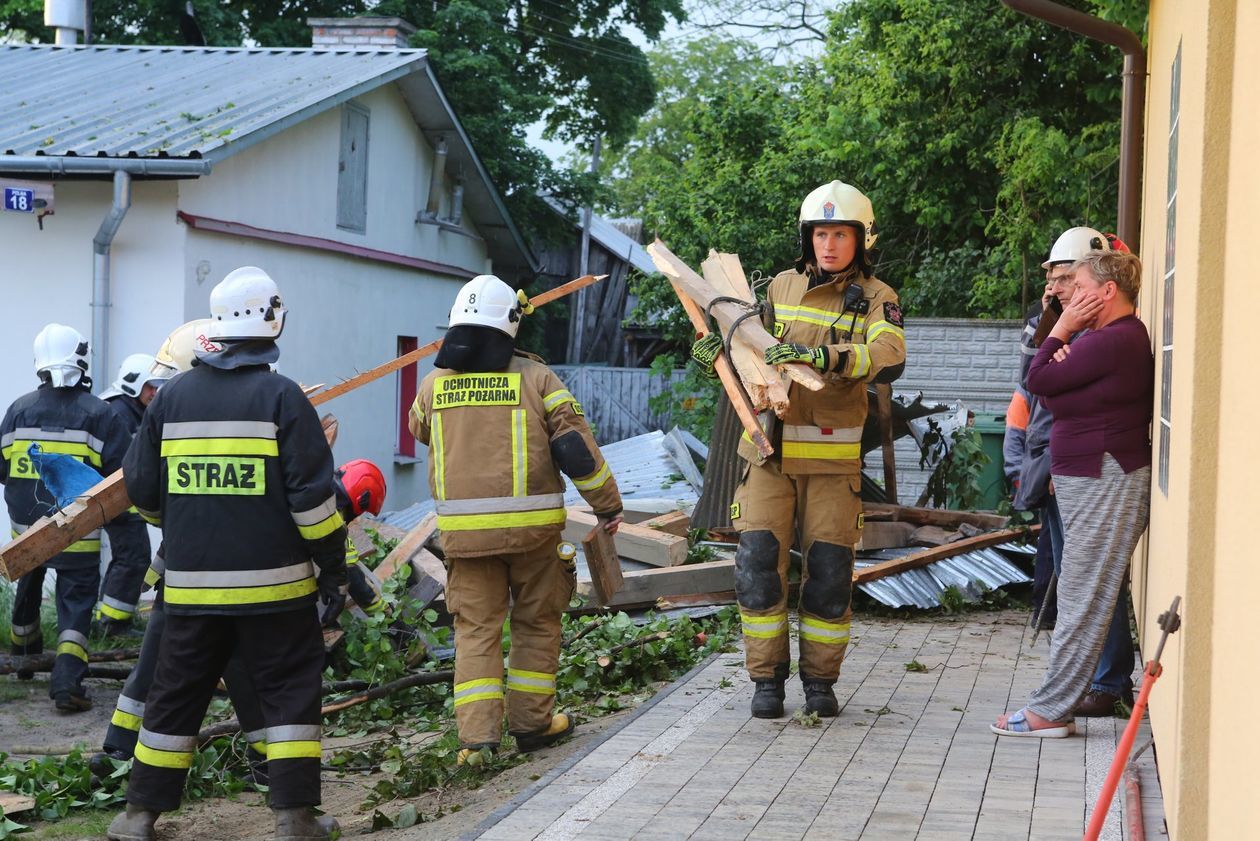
364, 484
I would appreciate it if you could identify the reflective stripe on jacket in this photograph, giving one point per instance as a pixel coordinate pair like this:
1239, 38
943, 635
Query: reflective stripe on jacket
235, 467
822, 430
497, 443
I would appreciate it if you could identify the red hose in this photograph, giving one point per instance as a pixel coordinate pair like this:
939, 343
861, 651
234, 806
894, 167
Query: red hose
1133, 796
1099, 816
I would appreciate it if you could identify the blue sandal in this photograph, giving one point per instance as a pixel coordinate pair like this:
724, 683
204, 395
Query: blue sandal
1017, 725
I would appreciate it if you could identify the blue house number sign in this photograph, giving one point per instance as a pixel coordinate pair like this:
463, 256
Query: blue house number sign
22, 201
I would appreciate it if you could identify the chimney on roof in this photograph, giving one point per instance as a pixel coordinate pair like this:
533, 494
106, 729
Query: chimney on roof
68, 18
364, 33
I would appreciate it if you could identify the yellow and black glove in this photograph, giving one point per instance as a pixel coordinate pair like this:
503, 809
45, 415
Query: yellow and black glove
704, 352
793, 352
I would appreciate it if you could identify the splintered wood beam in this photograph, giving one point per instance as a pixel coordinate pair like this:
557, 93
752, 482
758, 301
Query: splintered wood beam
750, 330
635, 542
940, 553
766, 388
644, 587
433, 346
407, 548
932, 516
602, 560
104, 501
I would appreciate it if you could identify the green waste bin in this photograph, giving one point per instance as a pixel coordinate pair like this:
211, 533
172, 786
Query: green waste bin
992, 429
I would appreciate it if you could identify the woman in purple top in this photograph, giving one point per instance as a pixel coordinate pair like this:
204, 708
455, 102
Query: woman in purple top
1100, 391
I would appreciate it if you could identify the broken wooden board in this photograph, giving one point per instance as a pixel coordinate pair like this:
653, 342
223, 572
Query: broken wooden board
764, 382
602, 560
407, 548
675, 522
939, 553
49, 536
885, 535
731, 384
931, 516
11, 803
634, 542
643, 587
329, 423
332, 637
934, 536
750, 330
696, 600
428, 578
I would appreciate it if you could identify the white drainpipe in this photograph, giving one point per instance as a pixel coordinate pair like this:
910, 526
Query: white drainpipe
100, 279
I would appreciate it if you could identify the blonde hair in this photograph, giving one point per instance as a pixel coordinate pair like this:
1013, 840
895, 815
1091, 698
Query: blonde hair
1119, 267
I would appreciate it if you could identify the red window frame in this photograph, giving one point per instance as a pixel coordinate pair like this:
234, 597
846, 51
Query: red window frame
408, 385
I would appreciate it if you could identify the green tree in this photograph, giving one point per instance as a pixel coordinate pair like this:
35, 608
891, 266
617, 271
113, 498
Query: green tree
977, 133
504, 65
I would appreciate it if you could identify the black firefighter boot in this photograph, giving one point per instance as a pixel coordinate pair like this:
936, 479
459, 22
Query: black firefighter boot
767, 700
302, 824
135, 824
819, 697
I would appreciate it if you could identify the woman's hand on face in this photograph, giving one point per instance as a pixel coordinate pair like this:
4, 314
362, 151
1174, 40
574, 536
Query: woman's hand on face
1081, 312
1062, 353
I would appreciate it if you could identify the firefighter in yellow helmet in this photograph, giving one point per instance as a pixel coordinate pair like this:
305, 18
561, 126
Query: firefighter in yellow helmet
830, 312
500, 427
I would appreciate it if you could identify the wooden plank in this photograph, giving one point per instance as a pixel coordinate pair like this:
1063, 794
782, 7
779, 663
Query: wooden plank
883, 403
428, 578
604, 563
765, 384
11, 803
330, 428
645, 586
928, 556
730, 381
51, 535
885, 535
332, 637
407, 548
634, 542
931, 516
675, 523
750, 330
433, 346
933, 536
385, 530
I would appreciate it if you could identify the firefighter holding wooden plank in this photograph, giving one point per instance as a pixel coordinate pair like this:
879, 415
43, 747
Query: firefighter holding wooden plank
500, 427
831, 312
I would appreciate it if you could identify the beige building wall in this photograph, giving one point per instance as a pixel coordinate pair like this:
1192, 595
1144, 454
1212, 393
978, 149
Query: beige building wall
1199, 222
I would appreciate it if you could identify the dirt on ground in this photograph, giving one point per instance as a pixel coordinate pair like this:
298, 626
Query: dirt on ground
30, 726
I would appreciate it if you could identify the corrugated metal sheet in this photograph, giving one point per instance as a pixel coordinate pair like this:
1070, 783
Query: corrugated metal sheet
923, 587
117, 101
644, 468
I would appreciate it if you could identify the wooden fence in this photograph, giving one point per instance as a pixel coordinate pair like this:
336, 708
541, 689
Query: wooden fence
616, 399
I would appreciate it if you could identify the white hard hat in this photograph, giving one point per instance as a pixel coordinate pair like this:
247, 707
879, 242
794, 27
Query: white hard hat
134, 373
61, 355
839, 203
486, 301
177, 352
246, 305
1075, 243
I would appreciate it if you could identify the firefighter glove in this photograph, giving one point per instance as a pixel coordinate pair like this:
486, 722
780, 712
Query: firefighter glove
793, 352
705, 352
332, 597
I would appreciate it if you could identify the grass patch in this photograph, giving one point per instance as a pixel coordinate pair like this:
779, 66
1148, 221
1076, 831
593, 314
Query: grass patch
84, 825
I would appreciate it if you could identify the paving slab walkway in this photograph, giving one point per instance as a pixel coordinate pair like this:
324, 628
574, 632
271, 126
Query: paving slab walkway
909, 757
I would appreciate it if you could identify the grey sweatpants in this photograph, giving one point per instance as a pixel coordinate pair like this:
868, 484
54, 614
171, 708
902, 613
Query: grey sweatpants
1102, 521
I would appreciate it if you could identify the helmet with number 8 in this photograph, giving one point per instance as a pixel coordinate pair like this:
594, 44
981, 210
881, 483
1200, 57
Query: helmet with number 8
486, 301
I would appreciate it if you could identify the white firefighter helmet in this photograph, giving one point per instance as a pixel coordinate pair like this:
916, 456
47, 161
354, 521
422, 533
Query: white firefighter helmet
486, 301
839, 203
134, 373
246, 305
1075, 243
177, 352
61, 355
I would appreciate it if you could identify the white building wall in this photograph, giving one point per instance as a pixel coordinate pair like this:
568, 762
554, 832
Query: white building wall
47, 276
300, 165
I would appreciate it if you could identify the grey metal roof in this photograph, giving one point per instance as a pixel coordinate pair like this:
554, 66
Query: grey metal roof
117, 101
212, 102
614, 240
969, 572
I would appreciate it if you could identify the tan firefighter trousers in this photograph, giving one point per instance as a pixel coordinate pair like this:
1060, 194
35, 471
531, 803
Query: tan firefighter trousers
769, 509
539, 585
